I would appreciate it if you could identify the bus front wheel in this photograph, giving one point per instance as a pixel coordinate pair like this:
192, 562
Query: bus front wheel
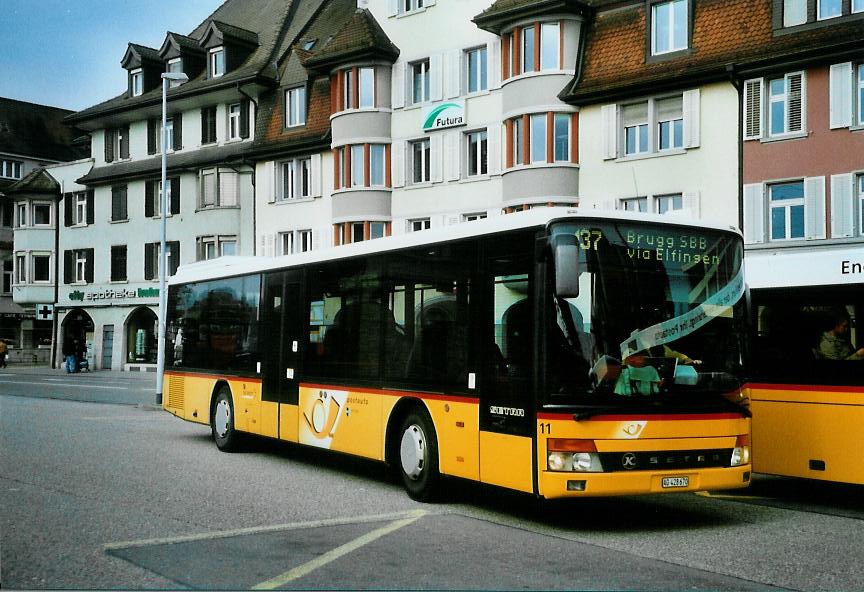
418, 457
222, 421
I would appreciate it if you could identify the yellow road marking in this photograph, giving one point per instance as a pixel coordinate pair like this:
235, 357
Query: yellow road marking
330, 556
224, 534
729, 497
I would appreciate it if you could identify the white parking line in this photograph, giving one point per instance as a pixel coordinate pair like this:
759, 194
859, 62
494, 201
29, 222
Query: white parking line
330, 556
224, 534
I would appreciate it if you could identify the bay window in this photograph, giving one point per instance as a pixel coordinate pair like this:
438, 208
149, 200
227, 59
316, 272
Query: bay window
538, 137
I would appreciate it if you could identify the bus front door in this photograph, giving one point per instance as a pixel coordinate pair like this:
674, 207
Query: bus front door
281, 341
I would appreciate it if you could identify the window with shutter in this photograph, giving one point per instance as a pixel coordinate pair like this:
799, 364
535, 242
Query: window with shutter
109, 145
153, 126
118, 203
843, 205
118, 263
754, 214
174, 195
177, 138
753, 109
786, 104
150, 208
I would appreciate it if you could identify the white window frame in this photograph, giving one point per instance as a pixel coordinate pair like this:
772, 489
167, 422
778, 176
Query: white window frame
633, 204
174, 66
669, 202
859, 183
33, 257
474, 216
296, 241
790, 7
218, 198
859, 95
20, 269
640, 128
80, 208
419, 224
771, 99
421, 68
366, 87
286, 242
411, 6
425, 153
821, 17
80, 266
673, 5
235, 112
225, 241
482, 168
11, 169
786, 205
295, 106
550, 31
217, 62
476, 71
672, 123
40, 204
169, 136
294, 179
21, 214
137, 82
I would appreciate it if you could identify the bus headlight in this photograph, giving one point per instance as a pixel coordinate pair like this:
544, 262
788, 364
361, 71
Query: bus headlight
572, 455
741, 452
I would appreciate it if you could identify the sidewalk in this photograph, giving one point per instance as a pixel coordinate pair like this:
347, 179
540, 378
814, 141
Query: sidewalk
43, 370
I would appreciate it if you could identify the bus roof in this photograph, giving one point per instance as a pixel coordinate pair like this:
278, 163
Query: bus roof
822, 266
535, 218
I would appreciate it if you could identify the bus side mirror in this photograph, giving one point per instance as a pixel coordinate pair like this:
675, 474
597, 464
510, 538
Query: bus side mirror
566, 254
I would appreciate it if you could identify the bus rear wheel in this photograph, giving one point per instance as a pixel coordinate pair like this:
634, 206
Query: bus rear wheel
222, 421
418, 457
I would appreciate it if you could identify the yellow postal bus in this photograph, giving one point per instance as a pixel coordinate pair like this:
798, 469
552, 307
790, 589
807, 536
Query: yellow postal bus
554, 352
806, 386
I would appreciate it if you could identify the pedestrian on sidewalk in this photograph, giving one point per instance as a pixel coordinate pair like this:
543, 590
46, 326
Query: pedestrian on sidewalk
4, 351
70, 351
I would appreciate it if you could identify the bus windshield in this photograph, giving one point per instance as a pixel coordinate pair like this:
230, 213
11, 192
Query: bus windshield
643, 312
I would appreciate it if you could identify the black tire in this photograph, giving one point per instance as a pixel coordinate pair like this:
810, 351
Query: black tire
417, 457
222, 421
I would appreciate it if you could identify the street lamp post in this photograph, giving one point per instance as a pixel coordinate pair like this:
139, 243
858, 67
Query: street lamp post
167, 77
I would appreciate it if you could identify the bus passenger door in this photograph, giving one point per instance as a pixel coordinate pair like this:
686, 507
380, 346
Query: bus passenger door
281, 331
506, 396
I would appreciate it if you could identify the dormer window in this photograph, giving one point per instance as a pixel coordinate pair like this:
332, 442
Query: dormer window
175, 66
217, 62
669, 27
295, 106
310, 44
137, 77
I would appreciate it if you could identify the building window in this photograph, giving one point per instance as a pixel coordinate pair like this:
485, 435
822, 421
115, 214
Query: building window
10, 169
118, 263
296, 241
304, 240
538, 138
175, 66
294, 179
153, 197
857, 5
669, 27
828, 9
377, 161
528, 41
794, 12
786, 205
20, 269
668, 203
234, 121
41, 268
861, 92
116, 144
420, 81
670, 123
81, 264
80, 212
219, 188
354, 232
785, 104
410, 5
418, 225
152, 259
287, 242
41, 214
377, 229
137, 82
478, 77
420, 161
8, 275
550, 43
208, 125
217, 62
295, 106
169, 134
473, 217
357, 165
21, 214
861, 204
518, 142
562, 137
635, 123
227, 247
476, 143
119, 210
367, 87
635, 204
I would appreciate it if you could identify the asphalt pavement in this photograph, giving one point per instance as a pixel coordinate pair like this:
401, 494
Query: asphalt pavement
121, 388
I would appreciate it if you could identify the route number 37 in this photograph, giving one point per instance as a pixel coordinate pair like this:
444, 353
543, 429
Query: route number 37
588, 239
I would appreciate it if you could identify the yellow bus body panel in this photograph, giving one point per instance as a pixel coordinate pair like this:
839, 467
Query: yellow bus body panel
641, 434
341, 420
247, 404
288, 426
505, 460
188, 396
269, 423
456, 424
791, 428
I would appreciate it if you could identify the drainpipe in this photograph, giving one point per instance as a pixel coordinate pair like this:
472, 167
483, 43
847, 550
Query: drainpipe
739, 141
54, 327
252, 166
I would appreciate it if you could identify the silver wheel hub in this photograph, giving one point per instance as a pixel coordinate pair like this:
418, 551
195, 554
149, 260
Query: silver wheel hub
412, 451
222, 418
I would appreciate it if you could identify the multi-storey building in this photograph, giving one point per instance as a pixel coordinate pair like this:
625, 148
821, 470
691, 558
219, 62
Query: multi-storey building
31, 136
109, 243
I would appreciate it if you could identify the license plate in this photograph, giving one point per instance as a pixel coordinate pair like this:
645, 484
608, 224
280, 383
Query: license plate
669, 482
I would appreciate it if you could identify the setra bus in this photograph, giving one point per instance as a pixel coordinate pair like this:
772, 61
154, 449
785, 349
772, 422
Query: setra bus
556, 352
806, 380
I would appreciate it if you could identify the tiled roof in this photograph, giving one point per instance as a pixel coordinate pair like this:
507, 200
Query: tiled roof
36, 131
145, 52
36, 181
264, 18
249, 37
502, 12
360, 35
733, 33
182, 41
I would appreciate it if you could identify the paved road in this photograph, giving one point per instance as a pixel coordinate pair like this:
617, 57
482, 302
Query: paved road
124, 388
104, 496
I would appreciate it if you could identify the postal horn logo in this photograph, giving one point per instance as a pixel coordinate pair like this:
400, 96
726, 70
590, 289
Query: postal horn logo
322, 415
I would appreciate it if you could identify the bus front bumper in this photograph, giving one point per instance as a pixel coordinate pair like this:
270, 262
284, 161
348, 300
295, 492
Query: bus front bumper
574, 484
